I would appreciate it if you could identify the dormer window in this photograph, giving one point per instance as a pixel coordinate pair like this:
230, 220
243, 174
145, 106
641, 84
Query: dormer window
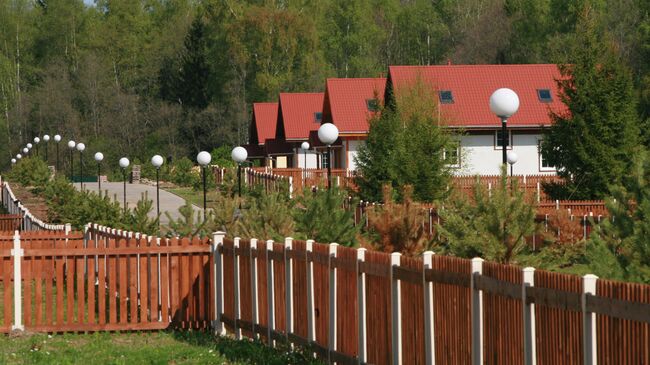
446, 97
318, 117
372, 105
544, 95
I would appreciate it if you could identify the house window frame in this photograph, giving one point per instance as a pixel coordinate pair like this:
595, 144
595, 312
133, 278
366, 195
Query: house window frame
540, 159
545, 100
458, 156
372, 105
316, 119
497, 147
443, 100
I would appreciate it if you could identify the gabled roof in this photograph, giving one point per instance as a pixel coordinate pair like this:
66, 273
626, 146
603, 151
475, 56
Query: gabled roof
297, 115
265, 119
346, 102
472, 85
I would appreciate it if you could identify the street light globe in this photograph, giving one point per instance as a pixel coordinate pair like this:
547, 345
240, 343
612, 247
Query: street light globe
512, 157
157, 161
305, 146
81, 147
203, 158
46, 138
29, 145
99, 156
328, 133
36, 140
124, 162
239, 154
25, 150
504, 103
19, 156
71, 144
13, 160
57, 138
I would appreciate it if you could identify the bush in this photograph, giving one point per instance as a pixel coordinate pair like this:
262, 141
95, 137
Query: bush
30, 172
320, 216
268, 217
182, 173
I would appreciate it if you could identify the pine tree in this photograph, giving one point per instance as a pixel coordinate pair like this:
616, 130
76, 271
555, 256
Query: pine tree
592, 144
320, 216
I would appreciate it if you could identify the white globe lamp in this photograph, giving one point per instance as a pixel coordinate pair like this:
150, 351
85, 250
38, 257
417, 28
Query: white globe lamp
13, 160
124, 162
37, 140
157, 161
57, 138
19, 156
81, 147
99, 157
71, 144
305, 146
328, 134
504, 103
239, 154
29, 145
46, 138
203, 158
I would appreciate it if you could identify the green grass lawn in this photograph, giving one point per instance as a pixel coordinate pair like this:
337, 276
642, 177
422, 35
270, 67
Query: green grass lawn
193, 196
141, 348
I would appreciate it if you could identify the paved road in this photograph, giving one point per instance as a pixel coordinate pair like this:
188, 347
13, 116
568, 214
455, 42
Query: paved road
168, 201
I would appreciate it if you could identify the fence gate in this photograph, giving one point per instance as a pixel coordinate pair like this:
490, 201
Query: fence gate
65, 283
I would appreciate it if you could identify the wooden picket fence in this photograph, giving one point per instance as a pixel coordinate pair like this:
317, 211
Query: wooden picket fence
68, 282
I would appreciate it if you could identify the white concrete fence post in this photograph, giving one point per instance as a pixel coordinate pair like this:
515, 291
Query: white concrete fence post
311, 315
217, 244
477, 314
530, 351
254, 288
17, 252
589, 341
237, 288
396, 310
288, 278
429, 339
270, 292
361, 307
332, 338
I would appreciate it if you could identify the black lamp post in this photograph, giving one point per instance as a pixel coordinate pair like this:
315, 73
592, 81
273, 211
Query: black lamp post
57, 139
99, 157
304, 146
328, 134
124, 163
46, 139
157, 161
204, 158
71, 145
81, 147
504, 103
239, 155
36, 142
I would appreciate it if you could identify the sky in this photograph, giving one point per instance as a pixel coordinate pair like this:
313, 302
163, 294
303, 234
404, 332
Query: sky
89, 2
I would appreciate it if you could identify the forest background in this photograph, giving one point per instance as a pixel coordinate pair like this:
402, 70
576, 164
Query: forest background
173, 77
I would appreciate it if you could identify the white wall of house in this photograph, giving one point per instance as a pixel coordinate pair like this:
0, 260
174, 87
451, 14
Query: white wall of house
479, 156
312, 159
351, 153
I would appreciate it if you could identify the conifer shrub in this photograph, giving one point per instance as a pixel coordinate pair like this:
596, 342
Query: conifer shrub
31, 172
319, 215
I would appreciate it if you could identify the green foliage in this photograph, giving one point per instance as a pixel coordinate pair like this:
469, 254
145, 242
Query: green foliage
620, 248
182, 173
221, 156
138, 220
256, 352
593, 143
268, 216
190, 223
406, 146
31, 172
493, 226
319, 216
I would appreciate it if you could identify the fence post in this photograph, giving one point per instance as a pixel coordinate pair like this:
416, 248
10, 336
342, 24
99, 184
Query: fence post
217, 244
290, 187
589, 321
68, 228
331, 339
288, 278
539, 192
270, 292
361, 307
396, 309
530, 354
477, 314
237, 287
17, 252
254, 291
311, 328
429, 343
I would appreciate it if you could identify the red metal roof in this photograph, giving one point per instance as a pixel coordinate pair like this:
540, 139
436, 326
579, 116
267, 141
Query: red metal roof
346, 102
298, 115
472, 85
265, 118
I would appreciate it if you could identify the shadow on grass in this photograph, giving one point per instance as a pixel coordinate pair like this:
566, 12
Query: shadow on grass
247, 351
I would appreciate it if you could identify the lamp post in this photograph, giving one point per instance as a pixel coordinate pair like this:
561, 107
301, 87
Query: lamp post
239, 155
46, 139
157, 161
124, 163
328, 134
204, 158
25, 151
99, 157
504, 103
512, 159
13, 161
71, 145
29, 146
36, 142
305, 147
57, 139
81, 147
19, 156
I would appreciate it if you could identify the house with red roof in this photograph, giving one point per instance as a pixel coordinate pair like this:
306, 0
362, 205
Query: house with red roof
462, 93
261, 129
350, 104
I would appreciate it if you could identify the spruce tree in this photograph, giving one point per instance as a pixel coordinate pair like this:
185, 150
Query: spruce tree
591, 144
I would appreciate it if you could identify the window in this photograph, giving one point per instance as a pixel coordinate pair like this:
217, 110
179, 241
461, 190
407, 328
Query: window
318, 117
544, 95
372, 104
452, 155
544, 165
446, 97
499, 140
